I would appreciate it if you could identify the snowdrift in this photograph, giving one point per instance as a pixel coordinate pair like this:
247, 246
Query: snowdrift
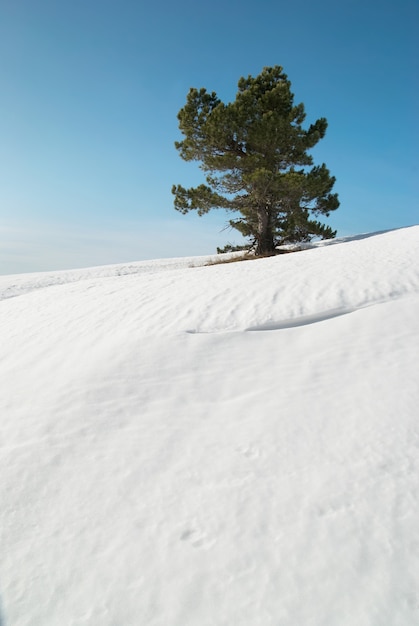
219, 445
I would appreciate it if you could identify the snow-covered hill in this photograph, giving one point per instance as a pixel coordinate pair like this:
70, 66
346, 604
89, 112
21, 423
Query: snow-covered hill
225, 445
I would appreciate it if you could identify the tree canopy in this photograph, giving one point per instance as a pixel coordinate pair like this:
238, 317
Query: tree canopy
254, 152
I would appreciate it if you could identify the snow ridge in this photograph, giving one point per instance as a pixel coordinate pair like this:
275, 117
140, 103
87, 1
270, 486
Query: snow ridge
165, 463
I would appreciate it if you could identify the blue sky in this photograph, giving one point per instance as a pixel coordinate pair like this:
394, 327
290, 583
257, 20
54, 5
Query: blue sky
90, 91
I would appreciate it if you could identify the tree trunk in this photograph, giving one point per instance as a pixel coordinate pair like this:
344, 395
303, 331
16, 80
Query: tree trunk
264, 239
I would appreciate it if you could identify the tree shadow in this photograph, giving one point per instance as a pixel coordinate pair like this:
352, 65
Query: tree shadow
332, 242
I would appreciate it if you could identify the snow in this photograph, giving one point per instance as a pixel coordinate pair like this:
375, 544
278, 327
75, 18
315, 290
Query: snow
232, 444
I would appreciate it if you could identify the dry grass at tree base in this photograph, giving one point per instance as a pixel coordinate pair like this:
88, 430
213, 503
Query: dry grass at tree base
247, 256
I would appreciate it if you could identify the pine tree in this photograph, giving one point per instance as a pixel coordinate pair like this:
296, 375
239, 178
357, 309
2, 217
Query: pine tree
254, 152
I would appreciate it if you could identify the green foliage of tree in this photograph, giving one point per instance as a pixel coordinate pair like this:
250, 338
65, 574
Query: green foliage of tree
254, 152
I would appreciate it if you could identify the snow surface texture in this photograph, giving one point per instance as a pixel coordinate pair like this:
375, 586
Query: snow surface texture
232, 445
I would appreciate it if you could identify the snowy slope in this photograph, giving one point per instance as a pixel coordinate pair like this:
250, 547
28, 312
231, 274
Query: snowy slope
237, 444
